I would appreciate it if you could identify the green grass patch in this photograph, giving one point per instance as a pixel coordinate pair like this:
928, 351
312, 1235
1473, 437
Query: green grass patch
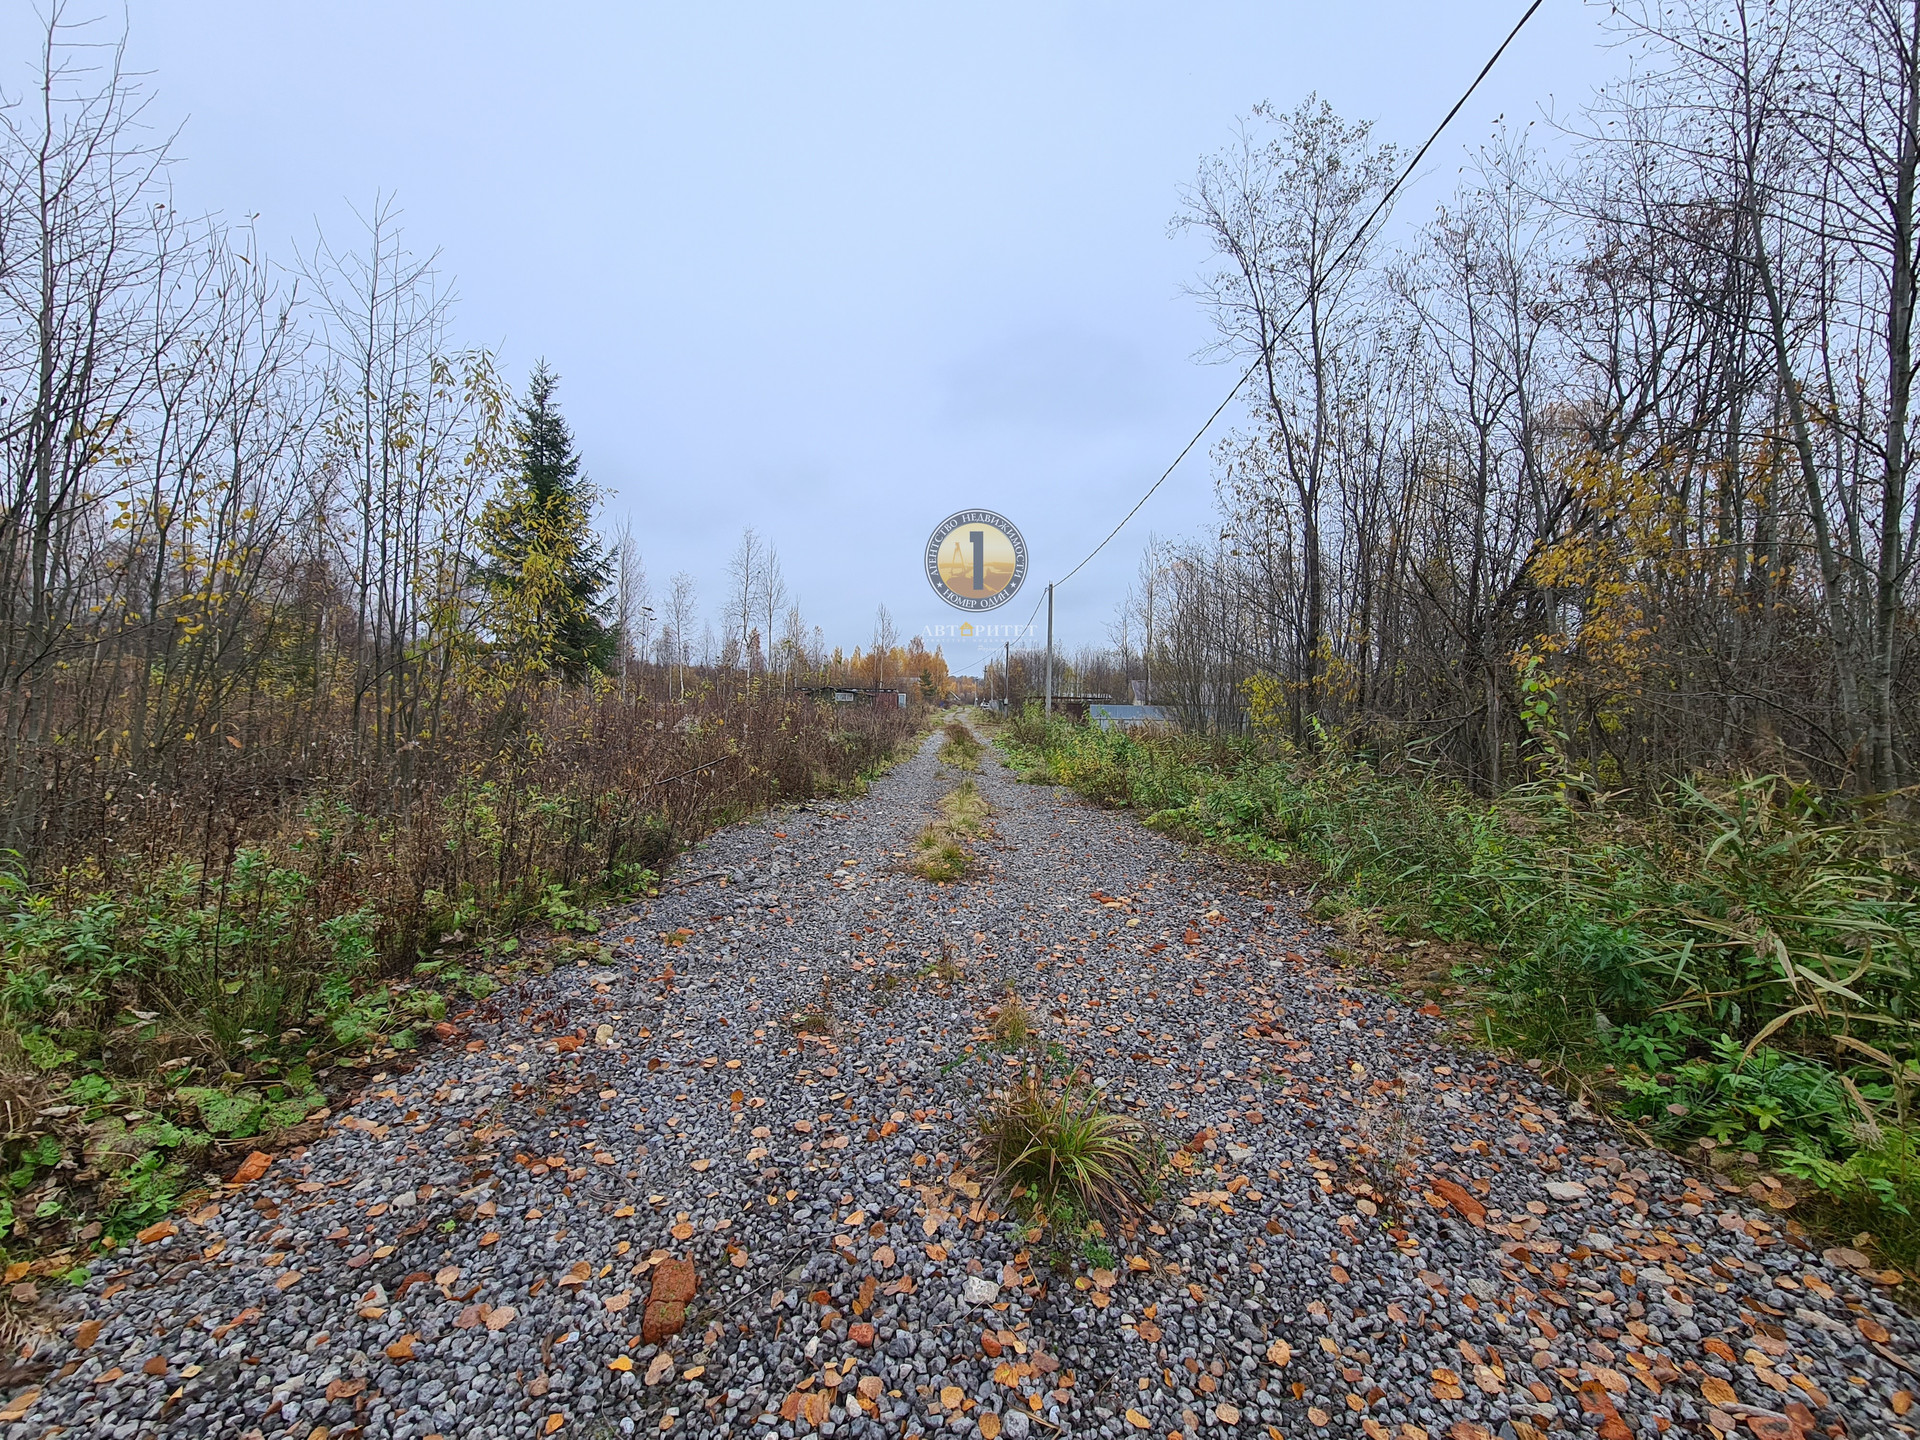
940, 849
961, 748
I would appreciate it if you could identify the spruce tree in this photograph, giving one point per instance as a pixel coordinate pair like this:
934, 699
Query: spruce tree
545, 566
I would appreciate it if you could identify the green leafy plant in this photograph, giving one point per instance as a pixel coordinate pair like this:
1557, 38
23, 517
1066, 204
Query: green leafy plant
43, 1052
561, 913
227, 1113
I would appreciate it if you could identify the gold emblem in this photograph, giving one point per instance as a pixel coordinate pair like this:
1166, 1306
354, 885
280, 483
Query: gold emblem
976, 560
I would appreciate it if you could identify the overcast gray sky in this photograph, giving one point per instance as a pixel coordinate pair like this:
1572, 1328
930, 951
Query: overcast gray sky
834, 270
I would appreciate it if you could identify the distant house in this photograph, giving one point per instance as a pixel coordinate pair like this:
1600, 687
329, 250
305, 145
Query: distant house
859, 695
1077, 707
1109, 717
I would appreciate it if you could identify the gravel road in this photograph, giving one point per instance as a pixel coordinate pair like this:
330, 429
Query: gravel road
1367, 1232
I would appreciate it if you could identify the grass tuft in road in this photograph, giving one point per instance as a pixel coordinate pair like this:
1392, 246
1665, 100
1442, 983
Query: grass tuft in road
961, 748
939, 850
1012, 1021
1071, 1159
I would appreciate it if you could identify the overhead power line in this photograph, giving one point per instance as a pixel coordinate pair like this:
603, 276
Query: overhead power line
1358, 235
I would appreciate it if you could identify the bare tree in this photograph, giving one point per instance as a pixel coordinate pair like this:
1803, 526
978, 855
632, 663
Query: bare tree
1281, 209
683, 609
773, 597
884, 640
746, 582
86, 232
633, 612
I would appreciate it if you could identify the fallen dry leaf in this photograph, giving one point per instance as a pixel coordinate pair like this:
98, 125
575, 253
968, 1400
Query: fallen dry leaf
1717, 1391
660, 1369
1460, 1199
18, 1407
402, 1349
500, 1316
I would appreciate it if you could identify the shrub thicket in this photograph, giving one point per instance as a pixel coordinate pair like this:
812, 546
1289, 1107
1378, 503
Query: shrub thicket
202, 948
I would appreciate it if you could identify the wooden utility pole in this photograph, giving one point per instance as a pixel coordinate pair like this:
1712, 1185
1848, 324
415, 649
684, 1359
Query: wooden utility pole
1049, 649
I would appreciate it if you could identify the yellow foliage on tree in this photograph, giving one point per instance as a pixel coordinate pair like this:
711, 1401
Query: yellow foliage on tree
1603, 581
